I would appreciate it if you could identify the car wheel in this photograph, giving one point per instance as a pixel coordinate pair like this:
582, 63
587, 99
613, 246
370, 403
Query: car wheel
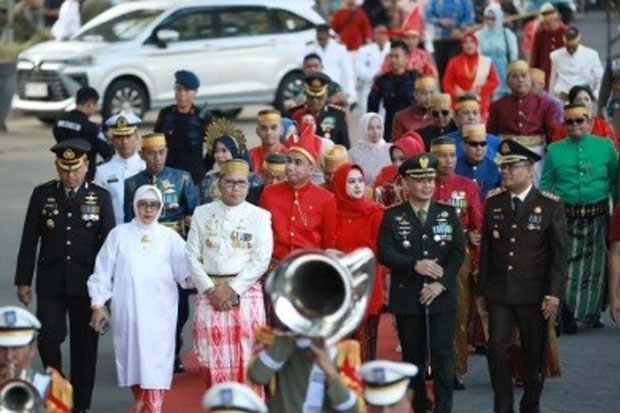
48, 121
125, 95
288, 91
228, 113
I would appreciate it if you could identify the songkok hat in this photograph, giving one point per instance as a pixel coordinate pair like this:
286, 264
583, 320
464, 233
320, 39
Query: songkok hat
153, 140
334, 157
70, 153
511, 151
386, 382
308, 144
187, 79
426, 82
422, 165
572, 37
575, 111
547, 9
232, 397
235, 165
269, 116
17, 326
518, 65
123, 124
537, 75
316, 84
443, 144
475, 131
441, 101
468, 101
275, 163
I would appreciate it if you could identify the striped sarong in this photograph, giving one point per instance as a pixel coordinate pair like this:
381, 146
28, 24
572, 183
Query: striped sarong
223, 340
587, 255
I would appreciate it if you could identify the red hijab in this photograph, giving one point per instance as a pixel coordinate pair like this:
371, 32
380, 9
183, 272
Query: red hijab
347, 206
410, 143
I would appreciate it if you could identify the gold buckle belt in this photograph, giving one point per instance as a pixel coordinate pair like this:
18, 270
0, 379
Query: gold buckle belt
219, 279
587, 211
178, 226
529, 141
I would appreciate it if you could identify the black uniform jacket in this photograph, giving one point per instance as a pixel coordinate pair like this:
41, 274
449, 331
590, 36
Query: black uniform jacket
403, 241
71, 233
523, 258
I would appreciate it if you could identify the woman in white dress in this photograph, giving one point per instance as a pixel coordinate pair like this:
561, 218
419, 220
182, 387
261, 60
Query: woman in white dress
138, 269
371, 152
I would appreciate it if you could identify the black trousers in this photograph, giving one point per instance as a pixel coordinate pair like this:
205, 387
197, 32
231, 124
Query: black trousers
533, 331
444, 51
52, 312
182, 317
412, 335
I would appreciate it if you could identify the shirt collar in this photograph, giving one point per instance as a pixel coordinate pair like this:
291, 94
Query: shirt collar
417, 210
521, 195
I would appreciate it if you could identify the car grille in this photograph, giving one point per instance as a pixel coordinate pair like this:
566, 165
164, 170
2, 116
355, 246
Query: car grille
56, 88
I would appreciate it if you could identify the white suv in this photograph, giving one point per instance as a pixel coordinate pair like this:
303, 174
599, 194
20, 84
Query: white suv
243, 51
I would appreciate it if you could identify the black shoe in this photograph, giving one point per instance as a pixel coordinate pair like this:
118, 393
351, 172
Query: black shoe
179, 367
569, 325
480, 350
458, 384
597, 324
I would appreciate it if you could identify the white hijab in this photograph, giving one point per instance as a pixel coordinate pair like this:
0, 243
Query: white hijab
147, 193
363, 129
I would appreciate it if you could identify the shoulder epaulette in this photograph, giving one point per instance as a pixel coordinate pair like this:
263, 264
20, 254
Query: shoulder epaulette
495, 192
550, 196
52, 182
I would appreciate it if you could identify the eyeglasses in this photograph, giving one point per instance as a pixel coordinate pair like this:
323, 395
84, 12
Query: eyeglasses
477, 144
149, 204
231, 184
443, 112
575, 121
512, 166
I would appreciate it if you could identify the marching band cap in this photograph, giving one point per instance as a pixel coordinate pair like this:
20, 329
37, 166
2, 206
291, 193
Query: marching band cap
547, 9
386, 382
422, 165
123, 124
70, 153
275, 163
316, 84
187, 79
511, 151
17, 326
232, 397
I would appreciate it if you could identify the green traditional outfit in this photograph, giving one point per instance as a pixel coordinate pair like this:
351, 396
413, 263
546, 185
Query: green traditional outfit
584, 173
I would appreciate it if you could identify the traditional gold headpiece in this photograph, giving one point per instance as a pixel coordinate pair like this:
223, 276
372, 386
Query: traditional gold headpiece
224, 127
153, 140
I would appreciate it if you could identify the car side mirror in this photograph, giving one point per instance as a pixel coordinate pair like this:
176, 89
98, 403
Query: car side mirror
165, 36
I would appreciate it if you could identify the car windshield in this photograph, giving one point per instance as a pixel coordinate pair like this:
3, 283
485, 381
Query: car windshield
120, 28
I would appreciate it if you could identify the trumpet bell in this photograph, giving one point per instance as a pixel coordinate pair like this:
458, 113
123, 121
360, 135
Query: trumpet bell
19, 396
319, 293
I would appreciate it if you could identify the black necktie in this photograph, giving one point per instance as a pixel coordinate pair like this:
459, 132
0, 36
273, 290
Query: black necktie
422, 216
516, 203
71, 195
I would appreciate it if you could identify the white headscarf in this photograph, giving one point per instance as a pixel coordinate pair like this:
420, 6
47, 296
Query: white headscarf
364, 121
498, 24
147, 193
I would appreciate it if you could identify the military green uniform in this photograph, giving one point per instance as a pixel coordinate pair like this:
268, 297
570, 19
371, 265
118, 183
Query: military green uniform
584, 173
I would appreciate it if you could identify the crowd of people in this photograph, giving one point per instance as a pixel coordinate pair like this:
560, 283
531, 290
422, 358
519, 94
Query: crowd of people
484, 183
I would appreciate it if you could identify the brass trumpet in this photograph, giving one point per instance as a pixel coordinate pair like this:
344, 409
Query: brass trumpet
20, 396
324, 294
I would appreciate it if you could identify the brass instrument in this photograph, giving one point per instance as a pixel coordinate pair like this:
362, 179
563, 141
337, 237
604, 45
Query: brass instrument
20, 396
324, 294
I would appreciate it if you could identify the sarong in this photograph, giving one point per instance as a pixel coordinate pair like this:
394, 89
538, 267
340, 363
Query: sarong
587, 254
223, 340
465, 291
147, 400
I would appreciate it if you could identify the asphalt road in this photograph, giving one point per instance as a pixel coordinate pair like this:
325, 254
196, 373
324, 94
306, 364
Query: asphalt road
591, 359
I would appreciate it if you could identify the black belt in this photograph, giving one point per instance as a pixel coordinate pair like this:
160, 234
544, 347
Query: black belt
587, 211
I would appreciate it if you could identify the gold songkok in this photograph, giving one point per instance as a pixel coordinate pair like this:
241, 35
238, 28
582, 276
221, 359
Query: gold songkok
235, 165
153, 140
467, 103
575, 111
537, 75
475, 131
426, 82
334, 157
441, 101
440, 144
269, 116
517, 66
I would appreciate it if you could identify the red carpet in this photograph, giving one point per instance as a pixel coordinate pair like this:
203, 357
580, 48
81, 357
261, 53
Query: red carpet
187, 388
